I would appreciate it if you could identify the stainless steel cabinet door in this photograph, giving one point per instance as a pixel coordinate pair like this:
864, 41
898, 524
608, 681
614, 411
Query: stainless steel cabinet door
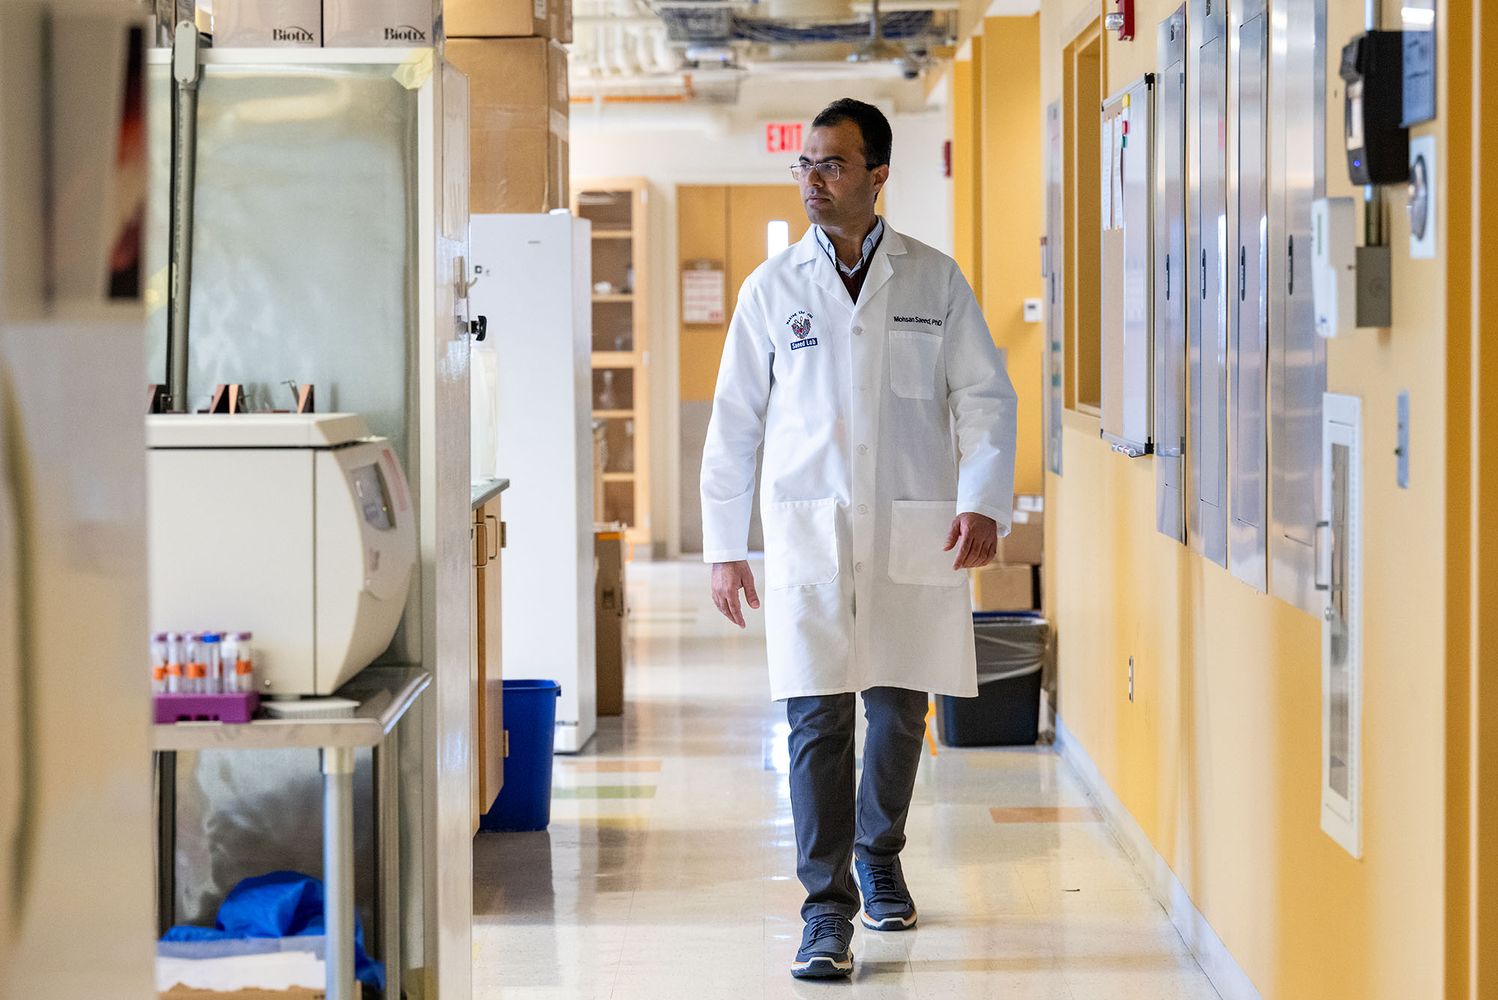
1297, 356
1249, 454
1206, 82
1170, 279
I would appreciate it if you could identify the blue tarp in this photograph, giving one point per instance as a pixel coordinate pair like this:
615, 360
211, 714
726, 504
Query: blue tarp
278, 905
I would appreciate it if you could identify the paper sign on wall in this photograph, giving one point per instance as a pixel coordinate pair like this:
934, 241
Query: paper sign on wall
702, 295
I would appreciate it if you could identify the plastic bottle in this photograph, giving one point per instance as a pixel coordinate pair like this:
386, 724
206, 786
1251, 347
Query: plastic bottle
210, 654
244, 664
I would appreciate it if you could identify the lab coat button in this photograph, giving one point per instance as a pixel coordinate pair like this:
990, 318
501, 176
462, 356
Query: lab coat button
858, 331
863, 449
858, 567
863, 508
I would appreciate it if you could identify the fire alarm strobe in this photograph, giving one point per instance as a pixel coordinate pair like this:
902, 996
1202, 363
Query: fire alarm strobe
1121, 20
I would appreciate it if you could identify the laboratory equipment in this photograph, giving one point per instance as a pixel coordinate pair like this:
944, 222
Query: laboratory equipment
313, 546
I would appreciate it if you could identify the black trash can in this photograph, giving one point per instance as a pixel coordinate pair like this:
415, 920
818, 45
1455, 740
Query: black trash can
1011, 656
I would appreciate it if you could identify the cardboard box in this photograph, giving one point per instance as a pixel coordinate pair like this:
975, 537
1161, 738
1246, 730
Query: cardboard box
609, 608
1000, 587
1025, 543
508, 19
379, 23
267, 23
517, 123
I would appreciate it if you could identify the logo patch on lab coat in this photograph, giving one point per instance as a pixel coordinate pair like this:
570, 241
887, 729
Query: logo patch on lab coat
800, 324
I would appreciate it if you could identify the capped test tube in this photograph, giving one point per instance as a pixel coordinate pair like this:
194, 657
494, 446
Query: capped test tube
244, 665
174, 659
160, 652
197, 670
210, 654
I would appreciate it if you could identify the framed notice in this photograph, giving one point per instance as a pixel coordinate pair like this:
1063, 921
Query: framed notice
702, 295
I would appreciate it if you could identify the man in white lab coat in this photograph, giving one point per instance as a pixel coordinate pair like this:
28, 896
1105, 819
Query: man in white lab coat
859, 360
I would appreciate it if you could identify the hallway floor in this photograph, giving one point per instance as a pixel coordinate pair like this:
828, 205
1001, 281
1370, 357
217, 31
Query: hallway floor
669, 869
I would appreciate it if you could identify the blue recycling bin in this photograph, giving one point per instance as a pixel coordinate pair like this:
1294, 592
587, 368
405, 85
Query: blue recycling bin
524, 802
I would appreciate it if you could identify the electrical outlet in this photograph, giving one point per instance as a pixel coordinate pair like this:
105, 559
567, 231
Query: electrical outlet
1131, 680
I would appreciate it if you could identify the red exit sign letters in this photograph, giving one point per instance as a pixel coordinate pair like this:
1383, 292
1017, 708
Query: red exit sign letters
783, 137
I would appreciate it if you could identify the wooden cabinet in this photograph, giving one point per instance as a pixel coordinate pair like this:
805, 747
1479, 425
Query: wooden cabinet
621, 347
489, 744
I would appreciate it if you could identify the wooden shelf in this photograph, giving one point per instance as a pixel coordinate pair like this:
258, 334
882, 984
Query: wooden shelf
618, 209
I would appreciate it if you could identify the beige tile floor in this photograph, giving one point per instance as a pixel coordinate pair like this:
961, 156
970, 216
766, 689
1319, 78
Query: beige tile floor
668, 872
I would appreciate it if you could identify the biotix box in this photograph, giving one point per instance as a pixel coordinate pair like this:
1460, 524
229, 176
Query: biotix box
378, 22
267, 23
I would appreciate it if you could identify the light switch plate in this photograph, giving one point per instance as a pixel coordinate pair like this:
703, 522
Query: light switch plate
1402, 447
1033, 313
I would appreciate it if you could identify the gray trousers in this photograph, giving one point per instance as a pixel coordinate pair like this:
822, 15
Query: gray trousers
835, 822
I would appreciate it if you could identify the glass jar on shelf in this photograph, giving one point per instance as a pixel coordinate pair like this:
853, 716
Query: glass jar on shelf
626, 456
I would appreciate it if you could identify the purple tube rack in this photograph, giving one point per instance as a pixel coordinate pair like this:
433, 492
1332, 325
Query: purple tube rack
232, 706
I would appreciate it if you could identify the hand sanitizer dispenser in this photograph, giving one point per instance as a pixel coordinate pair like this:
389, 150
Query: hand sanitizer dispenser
1334, 273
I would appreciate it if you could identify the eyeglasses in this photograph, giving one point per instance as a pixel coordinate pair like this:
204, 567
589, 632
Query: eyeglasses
830, 170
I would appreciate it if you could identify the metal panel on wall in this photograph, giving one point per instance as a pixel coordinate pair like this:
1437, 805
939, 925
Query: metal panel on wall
1127, 352
1051, 258
1249, 454
1170, 300
1297, 356
1207, 231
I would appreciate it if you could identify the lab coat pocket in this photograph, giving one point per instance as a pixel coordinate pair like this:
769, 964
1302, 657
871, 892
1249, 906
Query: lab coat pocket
800, 543
918, 531
912, 363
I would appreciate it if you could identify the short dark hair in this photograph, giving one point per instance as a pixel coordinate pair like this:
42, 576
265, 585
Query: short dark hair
872, 125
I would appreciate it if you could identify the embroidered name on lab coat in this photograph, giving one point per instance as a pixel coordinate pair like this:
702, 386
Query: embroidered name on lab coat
917, 319
796, 345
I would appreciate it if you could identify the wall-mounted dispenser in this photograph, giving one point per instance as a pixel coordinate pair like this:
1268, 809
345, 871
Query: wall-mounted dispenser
1351, 284
1378, 145
1334, 269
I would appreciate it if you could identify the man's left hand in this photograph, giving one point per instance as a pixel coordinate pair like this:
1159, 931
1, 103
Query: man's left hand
976, 539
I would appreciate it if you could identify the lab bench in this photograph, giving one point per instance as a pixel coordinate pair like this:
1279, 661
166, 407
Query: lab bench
385, 694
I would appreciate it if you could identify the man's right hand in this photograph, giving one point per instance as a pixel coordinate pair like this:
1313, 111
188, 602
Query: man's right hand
728, 579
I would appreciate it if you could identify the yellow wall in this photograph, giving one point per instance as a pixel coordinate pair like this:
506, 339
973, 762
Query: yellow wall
1218, 756
965, 204
1013, 218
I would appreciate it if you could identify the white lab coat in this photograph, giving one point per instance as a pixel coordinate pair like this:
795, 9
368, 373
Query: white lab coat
858, 408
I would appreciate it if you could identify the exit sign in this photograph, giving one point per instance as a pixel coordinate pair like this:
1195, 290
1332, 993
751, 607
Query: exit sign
783, 137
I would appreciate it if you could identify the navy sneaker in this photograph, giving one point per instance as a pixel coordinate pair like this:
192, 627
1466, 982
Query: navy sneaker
826, 948
887, 905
